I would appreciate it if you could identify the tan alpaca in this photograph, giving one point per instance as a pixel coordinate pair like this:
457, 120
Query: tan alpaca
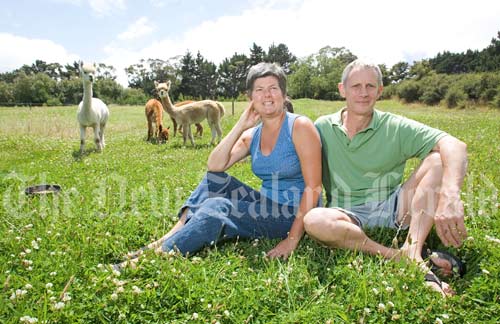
199, 128
192, 113
154, 115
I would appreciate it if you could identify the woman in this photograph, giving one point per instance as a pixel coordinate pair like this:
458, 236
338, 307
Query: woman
286, 154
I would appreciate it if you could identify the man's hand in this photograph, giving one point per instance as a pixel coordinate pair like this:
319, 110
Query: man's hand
449, 220
284, 248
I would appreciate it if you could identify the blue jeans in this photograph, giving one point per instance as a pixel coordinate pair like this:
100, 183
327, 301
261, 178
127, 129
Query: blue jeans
223, 208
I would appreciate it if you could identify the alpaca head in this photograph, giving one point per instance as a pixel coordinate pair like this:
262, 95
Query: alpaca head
162, 88
164, 134
87, 72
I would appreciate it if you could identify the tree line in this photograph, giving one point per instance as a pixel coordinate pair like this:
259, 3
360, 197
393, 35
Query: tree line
455, 79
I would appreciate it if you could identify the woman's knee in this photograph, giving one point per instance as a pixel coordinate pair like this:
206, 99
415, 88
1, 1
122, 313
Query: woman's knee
215, 207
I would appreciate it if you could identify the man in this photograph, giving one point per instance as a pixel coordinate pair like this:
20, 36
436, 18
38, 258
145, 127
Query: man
364, 155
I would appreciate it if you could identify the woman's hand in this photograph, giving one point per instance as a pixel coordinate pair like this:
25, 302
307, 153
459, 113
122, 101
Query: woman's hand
249, 117
284, 248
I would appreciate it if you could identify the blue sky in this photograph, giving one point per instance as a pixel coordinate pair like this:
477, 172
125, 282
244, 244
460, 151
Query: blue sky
121, 32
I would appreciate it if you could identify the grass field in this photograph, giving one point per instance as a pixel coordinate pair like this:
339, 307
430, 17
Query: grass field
54, 248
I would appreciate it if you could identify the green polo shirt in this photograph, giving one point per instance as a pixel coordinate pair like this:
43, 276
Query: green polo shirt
369, 167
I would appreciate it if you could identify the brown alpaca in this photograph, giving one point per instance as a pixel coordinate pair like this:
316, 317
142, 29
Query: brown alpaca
154, 115
192, 113
199, 128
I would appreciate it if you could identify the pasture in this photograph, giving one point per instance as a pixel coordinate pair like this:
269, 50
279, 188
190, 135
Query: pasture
55, 248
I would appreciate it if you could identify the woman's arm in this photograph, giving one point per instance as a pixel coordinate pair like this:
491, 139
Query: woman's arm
235, 145
308, 146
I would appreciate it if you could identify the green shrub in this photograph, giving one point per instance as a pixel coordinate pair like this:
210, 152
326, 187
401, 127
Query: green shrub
409, 91
434, 88
54, 102
454, 96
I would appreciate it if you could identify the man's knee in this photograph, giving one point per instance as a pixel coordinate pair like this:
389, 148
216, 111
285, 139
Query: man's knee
318, 221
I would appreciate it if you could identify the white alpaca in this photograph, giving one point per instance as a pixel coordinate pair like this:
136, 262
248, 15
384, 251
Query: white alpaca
92, 112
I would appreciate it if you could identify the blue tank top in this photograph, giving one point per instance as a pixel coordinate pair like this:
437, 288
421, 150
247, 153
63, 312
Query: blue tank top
280, 171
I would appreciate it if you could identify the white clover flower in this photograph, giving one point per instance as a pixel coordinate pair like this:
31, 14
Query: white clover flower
28, 319
195, 315
375, 291
486, 272
389, 289
49, 285
114, 296
438, 321
445, 316
28, 286
59, 305
27, 262
120, 290
226, 313
66, 297
136, 290
209, 306
19, 293
53, 274
202, 300
18, 238
384, 283
390, 304
52, 299
34, 244
381, 307
366, 310
22, 254
492, 239
122, 316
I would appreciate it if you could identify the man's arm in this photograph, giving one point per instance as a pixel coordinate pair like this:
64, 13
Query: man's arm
449, 217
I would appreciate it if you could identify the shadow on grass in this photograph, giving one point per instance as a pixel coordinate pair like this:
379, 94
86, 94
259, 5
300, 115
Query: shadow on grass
79, 156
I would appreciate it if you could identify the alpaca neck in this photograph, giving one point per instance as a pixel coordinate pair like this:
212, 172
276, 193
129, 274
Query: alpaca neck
169, 108
87, 96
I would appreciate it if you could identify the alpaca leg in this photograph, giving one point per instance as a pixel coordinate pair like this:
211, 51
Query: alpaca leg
219, 130
103, 142
97, 138
184, 134
150, 130
82, 139
187, 129
214, 132
174, 122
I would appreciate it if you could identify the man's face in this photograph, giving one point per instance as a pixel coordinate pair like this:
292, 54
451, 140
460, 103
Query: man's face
361, 91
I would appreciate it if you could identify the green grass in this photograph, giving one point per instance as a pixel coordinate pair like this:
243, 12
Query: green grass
118, 201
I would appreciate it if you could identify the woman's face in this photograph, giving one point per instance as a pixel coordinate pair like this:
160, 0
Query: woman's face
267, 97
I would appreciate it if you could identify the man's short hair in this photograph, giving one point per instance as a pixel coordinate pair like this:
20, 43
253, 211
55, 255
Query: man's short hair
359, 65
265, 69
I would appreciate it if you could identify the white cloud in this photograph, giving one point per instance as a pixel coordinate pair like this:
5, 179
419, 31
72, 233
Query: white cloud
386, 31
141, 27
17, 51
106, 7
